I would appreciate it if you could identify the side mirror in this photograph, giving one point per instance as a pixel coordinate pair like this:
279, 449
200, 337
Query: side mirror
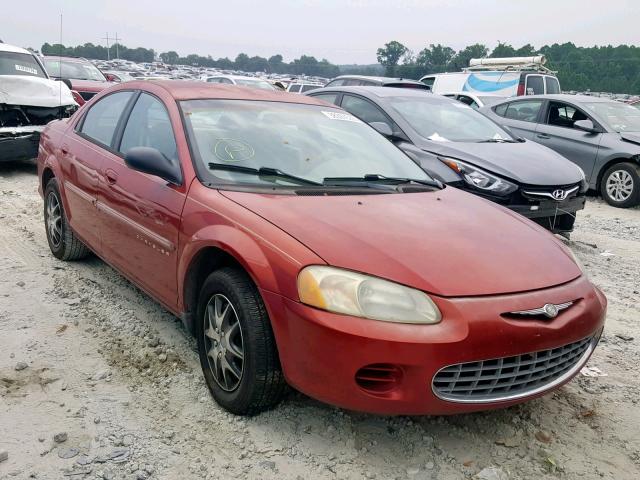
382, 128
585, 126
152, 161
111, 78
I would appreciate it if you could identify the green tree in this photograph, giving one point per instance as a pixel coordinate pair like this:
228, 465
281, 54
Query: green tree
461, 59
170, 57
389, 56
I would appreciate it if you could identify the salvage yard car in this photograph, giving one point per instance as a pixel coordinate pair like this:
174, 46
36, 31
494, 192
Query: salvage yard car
301, 247
84, 76
28, 101
600, 135
461, 147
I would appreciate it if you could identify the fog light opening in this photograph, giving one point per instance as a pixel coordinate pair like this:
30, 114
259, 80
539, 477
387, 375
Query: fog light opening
379, 378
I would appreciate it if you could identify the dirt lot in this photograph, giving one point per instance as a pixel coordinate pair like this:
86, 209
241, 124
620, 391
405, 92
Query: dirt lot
87, 357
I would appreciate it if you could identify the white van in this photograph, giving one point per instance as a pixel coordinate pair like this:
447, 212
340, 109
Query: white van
501, 77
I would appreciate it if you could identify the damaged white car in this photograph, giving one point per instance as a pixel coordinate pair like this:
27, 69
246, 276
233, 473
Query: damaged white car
29, 100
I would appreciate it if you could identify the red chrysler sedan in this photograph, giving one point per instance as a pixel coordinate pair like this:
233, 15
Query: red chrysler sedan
303, 248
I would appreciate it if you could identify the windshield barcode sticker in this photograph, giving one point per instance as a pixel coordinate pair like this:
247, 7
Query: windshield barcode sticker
341, 116
22, 68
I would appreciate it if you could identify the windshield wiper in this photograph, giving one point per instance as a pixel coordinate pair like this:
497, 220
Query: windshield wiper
376, 178
262, 172
497, 140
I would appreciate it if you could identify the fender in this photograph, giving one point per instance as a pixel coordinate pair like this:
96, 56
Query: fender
261, 259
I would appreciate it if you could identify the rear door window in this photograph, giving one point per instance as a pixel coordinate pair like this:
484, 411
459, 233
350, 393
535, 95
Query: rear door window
101, 120
149, 126
535, 85
526, 111
336, 83
327, 97
501, 109
552, 85
294, 88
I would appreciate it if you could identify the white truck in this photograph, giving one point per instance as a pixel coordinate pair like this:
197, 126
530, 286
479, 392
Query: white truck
501, 77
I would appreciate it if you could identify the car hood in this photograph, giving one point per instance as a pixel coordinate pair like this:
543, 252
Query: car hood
632, 137
89, 85
33, 91
448, 243
525, 162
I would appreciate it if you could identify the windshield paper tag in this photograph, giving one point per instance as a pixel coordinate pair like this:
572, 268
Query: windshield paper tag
32, 71
341, 116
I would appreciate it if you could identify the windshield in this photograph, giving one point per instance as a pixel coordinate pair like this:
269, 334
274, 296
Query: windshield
619, 117
307, 141
72, 69
447, 121
12, 63
261, 84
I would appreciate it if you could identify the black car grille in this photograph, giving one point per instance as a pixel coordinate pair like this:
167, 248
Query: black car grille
86, 96
511, 377
537, 193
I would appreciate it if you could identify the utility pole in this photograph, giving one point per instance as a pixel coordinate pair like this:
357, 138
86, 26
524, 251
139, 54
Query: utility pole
108, 51
117, 45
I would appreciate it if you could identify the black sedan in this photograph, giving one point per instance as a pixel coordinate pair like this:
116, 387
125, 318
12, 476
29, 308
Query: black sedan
463, 148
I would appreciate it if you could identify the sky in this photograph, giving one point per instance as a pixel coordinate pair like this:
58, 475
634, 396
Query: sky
344, 32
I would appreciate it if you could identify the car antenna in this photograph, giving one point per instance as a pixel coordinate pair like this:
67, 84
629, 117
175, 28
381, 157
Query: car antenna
60, 68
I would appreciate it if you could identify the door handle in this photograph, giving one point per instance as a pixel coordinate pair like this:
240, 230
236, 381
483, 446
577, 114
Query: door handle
543, 136
111, 176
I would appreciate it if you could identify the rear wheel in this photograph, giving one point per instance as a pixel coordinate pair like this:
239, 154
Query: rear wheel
236, 345
620, 185
62, 241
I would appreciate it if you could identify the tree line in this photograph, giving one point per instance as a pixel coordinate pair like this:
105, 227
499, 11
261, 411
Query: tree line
306, 64
600, 69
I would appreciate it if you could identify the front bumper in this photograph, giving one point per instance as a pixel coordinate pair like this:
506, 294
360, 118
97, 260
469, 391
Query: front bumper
322, 353
20, 143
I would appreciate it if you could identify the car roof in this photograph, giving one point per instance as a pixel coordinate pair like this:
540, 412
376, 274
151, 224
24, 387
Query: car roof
196, 90
66, 57
384, 92
5, 47
562, 97
376, 79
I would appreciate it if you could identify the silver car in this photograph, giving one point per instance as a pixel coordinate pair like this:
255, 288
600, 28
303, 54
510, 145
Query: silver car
600, 135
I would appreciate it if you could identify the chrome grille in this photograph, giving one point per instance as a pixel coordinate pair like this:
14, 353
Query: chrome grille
511, 377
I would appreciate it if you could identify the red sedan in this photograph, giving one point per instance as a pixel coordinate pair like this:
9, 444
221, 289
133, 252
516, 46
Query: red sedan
303, 248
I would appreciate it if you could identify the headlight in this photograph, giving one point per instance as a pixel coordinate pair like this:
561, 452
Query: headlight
343, 291
576, 261
478, 178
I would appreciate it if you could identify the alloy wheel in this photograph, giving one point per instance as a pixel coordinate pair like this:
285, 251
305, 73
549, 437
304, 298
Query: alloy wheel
224, 343
54, 219
619, 185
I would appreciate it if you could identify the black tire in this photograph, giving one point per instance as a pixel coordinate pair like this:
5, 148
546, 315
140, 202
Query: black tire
64, 245
262, 383
630, 172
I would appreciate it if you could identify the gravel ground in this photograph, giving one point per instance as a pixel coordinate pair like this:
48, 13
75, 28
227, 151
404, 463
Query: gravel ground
98, 381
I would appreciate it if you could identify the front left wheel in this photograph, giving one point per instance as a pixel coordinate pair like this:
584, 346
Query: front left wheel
236, 344
62, 241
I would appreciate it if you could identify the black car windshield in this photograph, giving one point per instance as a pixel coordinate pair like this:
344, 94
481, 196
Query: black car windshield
306, 141
619, 117
73, 69
13, 63
447, 121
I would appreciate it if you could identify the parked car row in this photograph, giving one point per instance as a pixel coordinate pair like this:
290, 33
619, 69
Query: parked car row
461, 147
301, 247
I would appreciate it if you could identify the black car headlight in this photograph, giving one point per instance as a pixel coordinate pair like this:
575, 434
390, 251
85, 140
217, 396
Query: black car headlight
478, 178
